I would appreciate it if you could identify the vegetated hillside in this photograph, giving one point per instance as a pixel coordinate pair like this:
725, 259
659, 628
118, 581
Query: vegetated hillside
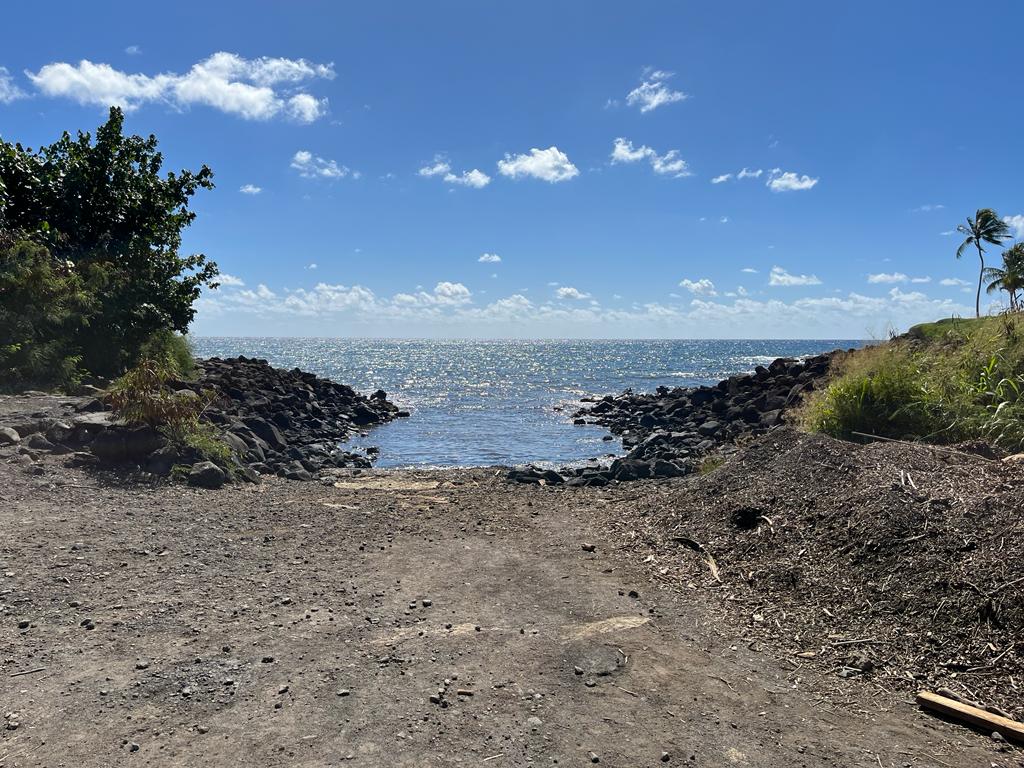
942, 382
893, 563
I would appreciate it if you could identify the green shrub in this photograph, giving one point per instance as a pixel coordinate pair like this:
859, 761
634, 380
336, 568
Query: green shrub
173, 347
43, 302
143, 396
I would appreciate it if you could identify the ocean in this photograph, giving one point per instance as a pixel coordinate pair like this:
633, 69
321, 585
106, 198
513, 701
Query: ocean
481, 403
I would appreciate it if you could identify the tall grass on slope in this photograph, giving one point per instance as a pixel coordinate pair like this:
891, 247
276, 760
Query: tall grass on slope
944, 384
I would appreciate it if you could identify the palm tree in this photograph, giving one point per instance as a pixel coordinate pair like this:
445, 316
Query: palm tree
985, 227
1009, 277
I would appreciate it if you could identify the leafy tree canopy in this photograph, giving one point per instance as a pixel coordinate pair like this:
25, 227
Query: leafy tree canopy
105, 212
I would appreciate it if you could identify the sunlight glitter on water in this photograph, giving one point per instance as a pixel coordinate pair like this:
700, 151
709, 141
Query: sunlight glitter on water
481, 403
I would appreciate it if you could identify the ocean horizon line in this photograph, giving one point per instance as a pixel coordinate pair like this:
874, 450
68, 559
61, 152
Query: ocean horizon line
496, 339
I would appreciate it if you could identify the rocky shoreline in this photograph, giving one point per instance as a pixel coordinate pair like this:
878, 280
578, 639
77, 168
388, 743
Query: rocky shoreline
670, 432
273, 421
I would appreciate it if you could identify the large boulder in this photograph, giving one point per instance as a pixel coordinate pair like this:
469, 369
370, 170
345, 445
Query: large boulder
206, 474
9, 436
126, 444
266, 431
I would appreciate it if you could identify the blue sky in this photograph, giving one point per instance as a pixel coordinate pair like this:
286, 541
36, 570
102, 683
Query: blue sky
374, 162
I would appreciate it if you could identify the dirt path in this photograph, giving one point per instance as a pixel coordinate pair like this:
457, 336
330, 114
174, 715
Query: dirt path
401, 619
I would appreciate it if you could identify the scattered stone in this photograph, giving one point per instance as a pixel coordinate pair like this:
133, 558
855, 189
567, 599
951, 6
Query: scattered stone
588, 547
206, 474
9, 436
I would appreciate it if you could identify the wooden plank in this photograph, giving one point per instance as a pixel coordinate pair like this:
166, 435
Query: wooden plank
1010, 729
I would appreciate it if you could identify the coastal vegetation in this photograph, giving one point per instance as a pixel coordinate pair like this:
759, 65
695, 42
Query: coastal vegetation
90, 265
945, 382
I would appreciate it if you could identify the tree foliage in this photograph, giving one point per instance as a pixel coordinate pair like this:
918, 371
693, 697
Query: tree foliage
984, 227
1010, 276
107, 215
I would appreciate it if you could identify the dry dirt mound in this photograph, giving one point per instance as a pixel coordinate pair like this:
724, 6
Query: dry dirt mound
892, 562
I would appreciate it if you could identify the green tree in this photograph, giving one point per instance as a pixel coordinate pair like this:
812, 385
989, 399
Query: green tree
103, 207
44, 303
1009, 277
985, 227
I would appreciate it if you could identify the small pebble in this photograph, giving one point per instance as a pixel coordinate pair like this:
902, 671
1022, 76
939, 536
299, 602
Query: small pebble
665, 757
588, 547
344, 692
593, 757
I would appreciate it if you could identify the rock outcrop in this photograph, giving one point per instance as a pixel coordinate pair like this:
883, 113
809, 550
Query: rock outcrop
669, 432
272, 421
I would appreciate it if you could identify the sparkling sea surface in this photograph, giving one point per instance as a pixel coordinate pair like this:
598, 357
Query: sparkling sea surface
481, 403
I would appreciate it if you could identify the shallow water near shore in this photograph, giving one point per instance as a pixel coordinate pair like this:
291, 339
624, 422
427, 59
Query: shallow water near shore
481, 403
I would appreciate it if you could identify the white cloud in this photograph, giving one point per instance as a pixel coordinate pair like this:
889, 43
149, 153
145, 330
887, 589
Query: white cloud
568, 292
954, 281
670, 163
787, 181
624, 152
948, 232
749, 270
888, 277
551, 165
653, 92
312, 265
306, 108
250, 189
924, 279
702, 287
452, 293
310, 166
929, 207
1016, 223
254, 89
490, 258
9, 91
262, 293
133, 50
229, 280
779, 276
724, 220
474, 178
441, 167
745, 173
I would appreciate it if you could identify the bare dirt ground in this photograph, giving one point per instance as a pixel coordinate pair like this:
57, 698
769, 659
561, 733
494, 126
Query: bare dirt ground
392, 619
